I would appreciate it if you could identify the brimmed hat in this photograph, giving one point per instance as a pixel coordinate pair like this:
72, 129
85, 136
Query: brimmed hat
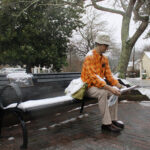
103, 39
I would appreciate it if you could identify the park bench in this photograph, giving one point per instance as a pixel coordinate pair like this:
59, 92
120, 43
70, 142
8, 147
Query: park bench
18, 106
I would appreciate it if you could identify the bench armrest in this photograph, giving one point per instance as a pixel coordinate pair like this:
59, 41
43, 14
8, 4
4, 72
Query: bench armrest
17, 91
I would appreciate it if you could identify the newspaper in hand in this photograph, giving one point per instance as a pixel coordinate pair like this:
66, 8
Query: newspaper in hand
123, 90
112, 100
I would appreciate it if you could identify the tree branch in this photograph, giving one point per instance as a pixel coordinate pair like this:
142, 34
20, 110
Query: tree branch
82, 52
137, 9
107, 9
79, 3
74, 4
130, 7
32, 3
139, 31
123, 5
82, 34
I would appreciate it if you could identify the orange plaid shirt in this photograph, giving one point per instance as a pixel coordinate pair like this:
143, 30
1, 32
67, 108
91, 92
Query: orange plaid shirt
95, 68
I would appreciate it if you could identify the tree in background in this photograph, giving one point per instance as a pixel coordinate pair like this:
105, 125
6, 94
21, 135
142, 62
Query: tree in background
140, 9
84, 39
73, 60
36, 32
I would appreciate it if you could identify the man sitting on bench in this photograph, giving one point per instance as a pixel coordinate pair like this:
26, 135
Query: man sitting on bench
95, 68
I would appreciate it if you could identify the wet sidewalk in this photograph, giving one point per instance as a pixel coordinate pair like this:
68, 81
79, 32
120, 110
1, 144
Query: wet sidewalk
68, 130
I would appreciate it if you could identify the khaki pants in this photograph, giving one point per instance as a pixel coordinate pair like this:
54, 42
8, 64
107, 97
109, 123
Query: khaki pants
108, 113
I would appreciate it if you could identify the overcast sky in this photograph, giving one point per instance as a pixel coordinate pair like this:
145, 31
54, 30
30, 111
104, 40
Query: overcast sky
115, 21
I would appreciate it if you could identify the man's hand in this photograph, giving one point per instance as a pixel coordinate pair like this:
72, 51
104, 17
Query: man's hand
112, 90
115, 91
119, 86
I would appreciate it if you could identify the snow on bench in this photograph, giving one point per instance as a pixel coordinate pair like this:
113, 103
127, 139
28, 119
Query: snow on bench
33, 104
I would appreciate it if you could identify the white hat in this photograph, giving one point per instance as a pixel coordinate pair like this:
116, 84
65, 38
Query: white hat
103, 39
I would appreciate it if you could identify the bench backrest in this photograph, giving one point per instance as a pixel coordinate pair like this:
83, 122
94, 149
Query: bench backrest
44, 86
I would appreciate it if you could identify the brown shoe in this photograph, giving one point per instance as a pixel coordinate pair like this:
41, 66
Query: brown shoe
111, 128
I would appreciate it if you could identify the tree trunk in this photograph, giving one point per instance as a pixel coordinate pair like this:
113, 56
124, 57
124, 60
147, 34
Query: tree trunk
134, 6
124, 59
28, 68
127, 44
126, 47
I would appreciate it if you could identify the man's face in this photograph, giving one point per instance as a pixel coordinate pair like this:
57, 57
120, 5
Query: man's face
102, 48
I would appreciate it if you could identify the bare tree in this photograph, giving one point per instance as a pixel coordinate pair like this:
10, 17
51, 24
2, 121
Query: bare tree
74, 64
140, 10
84, 38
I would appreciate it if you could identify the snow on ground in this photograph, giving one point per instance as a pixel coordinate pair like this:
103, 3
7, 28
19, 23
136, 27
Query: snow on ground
144, 85
137, 78
11, 138
68, 120
144, 91
144, 88
22, 79
78, 108
58, 114
145, 103
27, 122
19, 76
148, 54
124, 101
41, 129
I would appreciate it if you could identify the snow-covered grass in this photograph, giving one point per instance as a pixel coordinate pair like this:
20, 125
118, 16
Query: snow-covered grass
124, 101
23, 79
145, 103
19, 76
144, 91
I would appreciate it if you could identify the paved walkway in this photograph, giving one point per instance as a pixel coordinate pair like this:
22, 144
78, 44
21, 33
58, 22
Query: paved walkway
65, 129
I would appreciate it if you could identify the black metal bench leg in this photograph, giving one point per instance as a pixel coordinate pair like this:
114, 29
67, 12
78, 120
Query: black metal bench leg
82, 106
24, 130
1, 121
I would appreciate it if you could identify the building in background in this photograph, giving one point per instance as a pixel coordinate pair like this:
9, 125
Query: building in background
145, 65
133, 69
